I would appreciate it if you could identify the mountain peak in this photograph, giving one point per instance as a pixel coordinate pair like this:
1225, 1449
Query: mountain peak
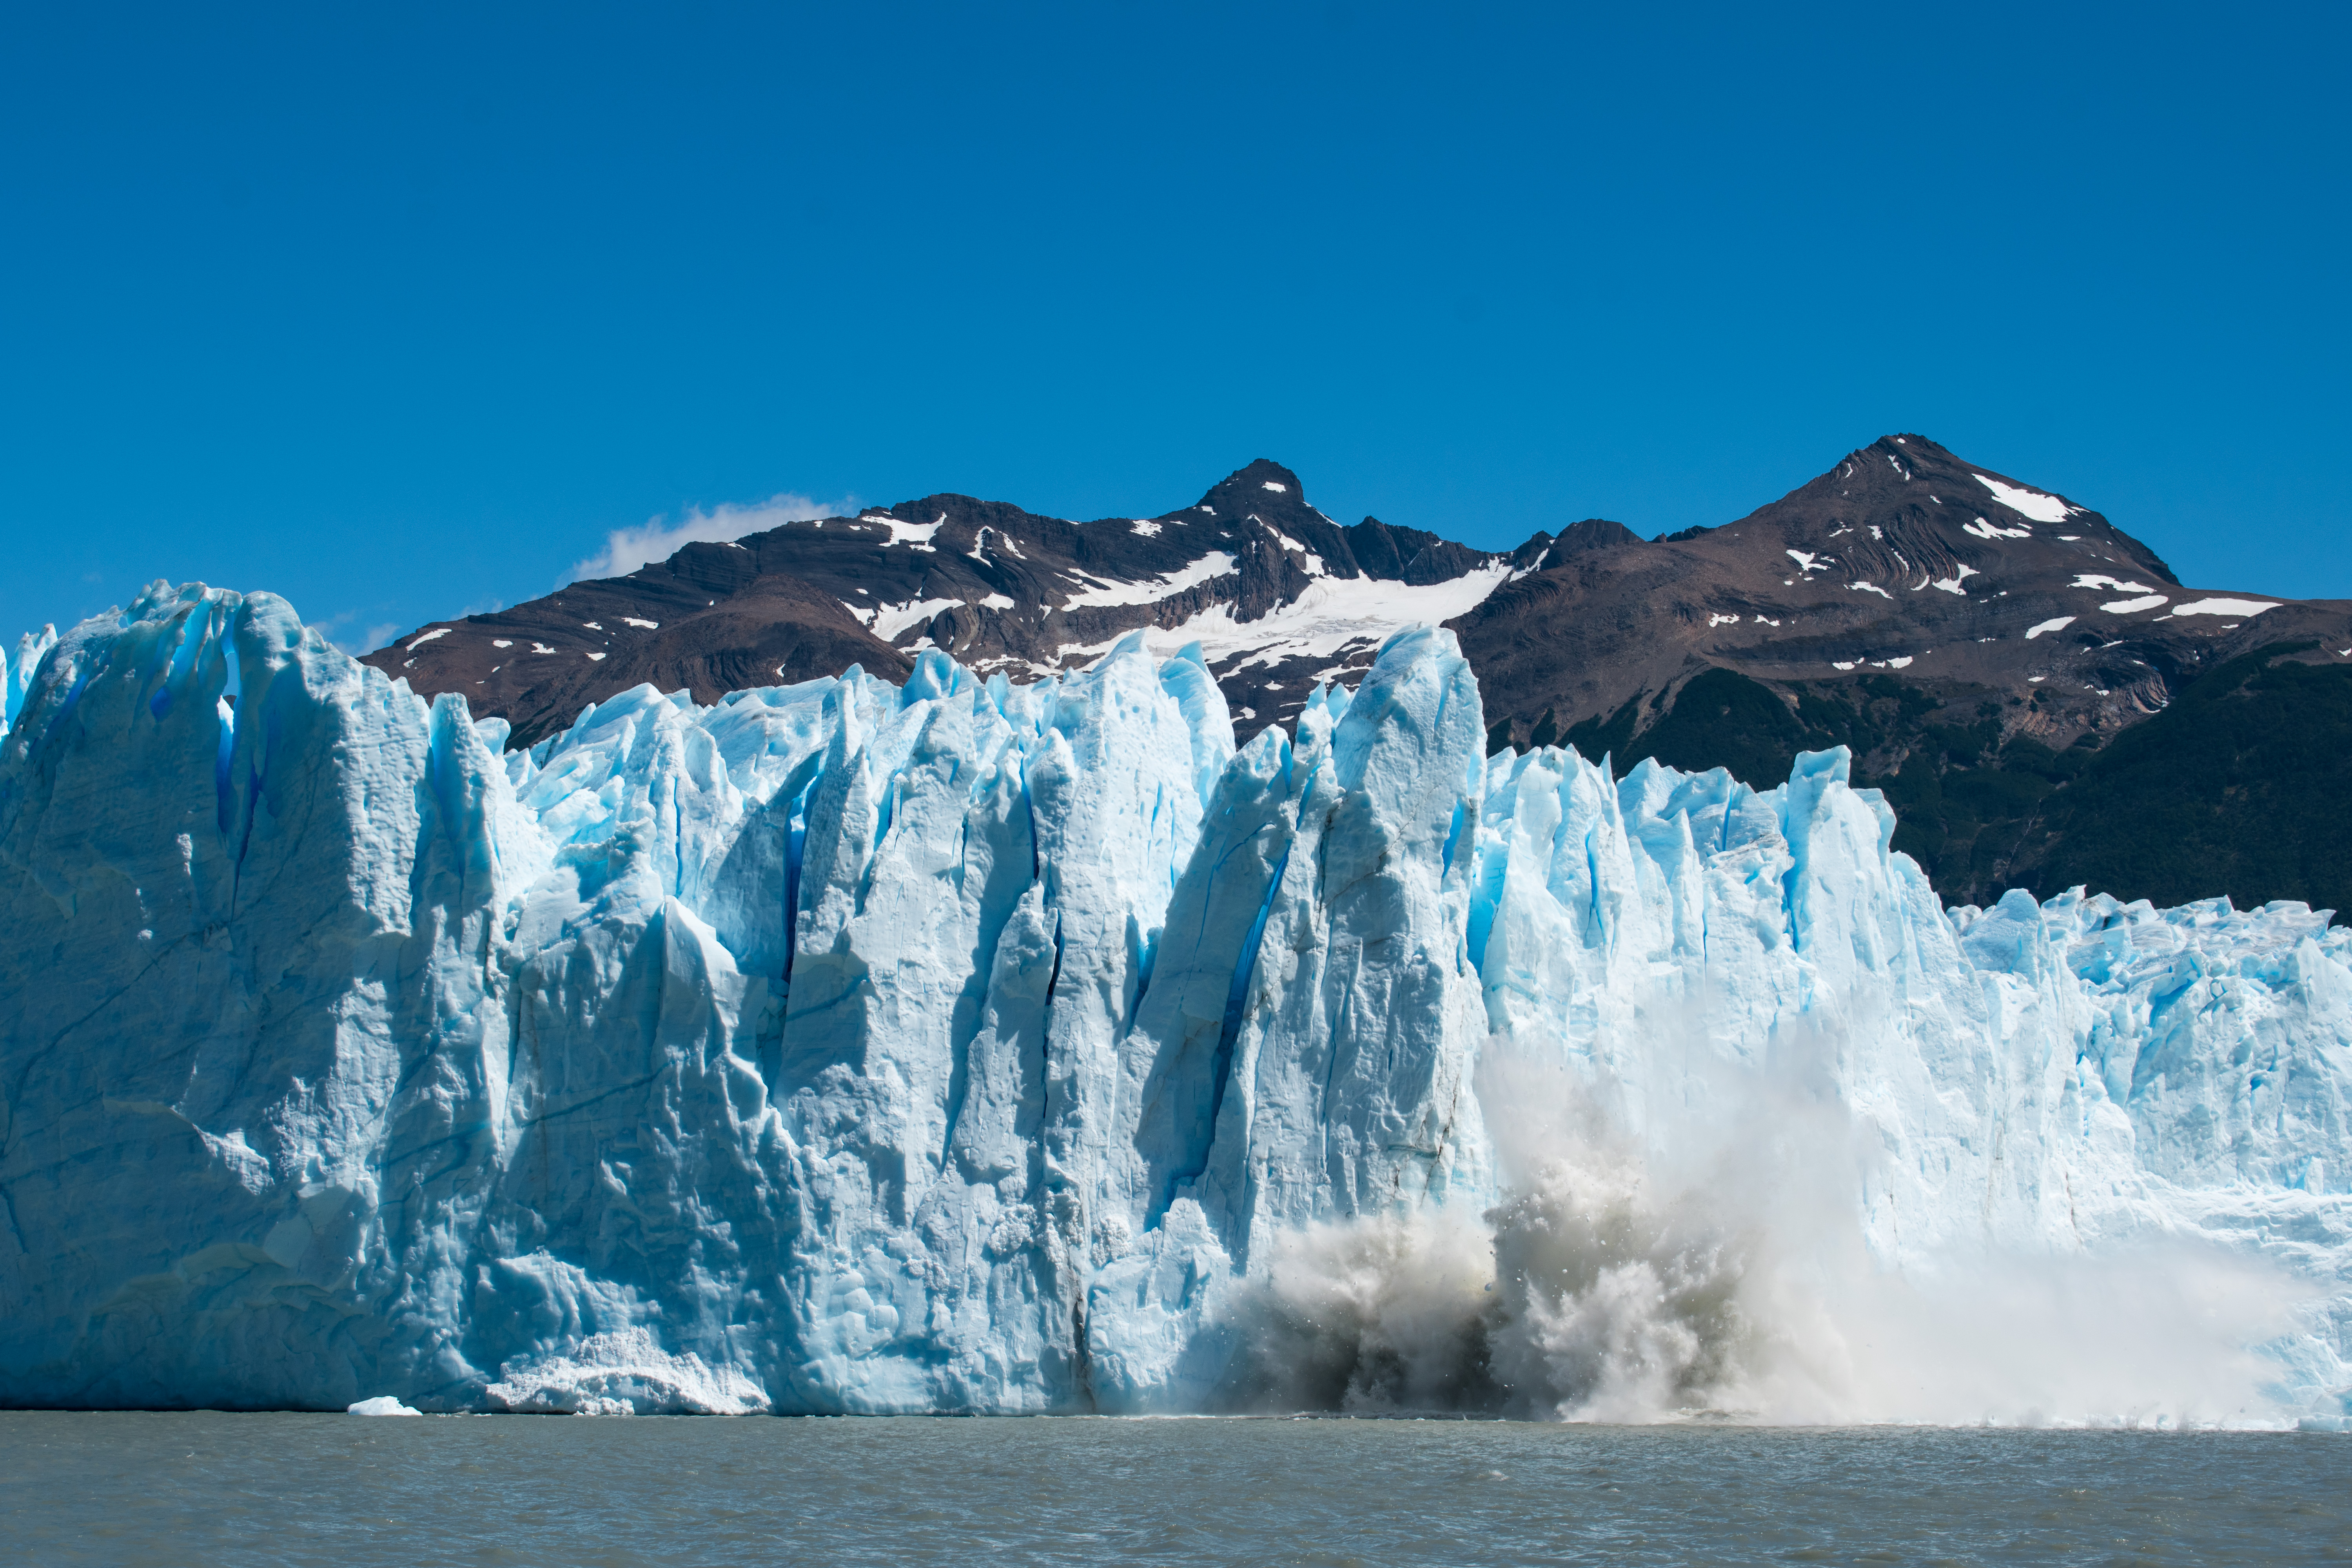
1263, 476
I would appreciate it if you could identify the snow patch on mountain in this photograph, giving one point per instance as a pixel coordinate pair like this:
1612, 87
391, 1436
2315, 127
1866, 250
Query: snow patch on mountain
1331, 615
1216, 563
2027, 503
890, 620
2224, 607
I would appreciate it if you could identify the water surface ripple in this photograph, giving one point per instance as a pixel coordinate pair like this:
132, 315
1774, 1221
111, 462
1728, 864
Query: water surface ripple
122, 1488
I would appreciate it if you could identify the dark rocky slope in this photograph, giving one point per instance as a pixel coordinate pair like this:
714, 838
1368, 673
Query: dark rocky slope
1986, 648
1977, 642
1280, 595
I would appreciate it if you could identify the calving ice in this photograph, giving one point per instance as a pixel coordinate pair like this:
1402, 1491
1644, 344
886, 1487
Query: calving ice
967, 1045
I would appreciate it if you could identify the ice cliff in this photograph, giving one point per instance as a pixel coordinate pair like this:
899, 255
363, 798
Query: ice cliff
974, 1047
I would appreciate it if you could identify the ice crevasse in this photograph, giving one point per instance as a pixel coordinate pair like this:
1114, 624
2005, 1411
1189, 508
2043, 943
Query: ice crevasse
974, 1047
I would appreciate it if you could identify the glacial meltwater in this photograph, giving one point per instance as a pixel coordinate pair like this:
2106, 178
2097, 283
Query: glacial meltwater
130, 1489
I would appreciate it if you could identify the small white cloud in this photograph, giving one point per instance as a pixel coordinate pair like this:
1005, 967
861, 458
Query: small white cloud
626, 549
355, 643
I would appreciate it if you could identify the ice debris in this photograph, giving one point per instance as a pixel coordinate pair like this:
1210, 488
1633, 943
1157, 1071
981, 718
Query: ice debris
976, 1046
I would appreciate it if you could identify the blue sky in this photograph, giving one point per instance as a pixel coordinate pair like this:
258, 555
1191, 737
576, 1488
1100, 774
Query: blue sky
400, 311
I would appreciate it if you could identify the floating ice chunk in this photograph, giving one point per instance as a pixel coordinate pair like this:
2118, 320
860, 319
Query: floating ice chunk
624, 1372
382, 1405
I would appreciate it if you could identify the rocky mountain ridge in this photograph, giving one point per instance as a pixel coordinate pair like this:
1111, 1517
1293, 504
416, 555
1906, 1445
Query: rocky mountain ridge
1976, 640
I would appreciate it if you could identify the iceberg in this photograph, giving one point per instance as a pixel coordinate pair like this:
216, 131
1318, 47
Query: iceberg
972, 1046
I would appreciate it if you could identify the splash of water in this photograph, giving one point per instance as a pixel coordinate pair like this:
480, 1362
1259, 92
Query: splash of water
1713, 1264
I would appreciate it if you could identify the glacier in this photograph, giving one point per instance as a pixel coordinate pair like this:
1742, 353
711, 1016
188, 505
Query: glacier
973, 1047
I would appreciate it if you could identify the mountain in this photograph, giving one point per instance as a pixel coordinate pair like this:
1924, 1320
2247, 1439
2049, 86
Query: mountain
1977, 642
1279, 597
965, 1046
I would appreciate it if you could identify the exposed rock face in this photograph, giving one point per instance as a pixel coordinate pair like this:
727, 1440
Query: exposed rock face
1974, 640
1278, 594
1903, 558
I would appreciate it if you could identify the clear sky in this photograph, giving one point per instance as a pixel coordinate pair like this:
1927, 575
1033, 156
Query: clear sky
400, 310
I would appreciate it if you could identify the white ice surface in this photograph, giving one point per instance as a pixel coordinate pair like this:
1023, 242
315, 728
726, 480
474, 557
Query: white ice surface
2057, 624
1984, 530
1216, 563
889, 620
915, 535
1332, 613
973, 1047
2224, 607
2027, 503
16, 673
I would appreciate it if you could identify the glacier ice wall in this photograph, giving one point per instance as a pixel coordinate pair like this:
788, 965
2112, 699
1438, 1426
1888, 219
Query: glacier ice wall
972, 1046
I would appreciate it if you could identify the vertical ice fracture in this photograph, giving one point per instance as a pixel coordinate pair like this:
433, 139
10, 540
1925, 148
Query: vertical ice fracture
976, 1046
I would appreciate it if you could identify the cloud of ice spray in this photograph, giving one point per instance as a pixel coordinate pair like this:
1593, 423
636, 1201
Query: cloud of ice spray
1707, 1259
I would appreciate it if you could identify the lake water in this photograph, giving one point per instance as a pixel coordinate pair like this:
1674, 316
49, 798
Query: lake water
345, 1489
